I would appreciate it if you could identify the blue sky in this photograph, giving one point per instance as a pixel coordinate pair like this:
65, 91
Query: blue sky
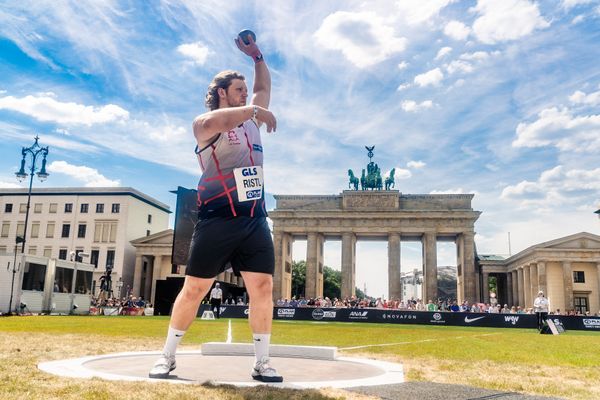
496, 98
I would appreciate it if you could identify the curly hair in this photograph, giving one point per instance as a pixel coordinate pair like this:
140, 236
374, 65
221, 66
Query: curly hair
221, 80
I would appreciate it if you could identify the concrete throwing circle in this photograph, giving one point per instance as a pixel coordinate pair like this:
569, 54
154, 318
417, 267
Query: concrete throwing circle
194, 367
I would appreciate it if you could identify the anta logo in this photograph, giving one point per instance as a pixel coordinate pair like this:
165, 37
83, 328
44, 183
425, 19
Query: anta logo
513, 319
233, 137
358, 314
249, 171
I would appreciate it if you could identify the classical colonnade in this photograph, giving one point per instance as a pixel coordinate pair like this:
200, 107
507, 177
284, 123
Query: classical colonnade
377, 215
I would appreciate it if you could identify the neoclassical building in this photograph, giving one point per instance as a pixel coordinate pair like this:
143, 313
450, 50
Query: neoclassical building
567, 270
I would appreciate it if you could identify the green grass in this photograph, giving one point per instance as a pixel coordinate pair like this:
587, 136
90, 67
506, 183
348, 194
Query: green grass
565, 365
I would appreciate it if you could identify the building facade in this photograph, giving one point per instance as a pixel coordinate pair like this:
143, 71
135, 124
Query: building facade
99, 222
567, 270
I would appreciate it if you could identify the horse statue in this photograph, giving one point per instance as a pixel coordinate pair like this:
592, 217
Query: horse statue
372, 179
363, 180
389, 181
353, 180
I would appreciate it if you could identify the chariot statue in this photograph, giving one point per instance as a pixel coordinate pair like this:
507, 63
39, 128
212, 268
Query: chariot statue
371, 177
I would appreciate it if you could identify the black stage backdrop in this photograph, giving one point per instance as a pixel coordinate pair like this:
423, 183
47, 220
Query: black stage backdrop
413, 317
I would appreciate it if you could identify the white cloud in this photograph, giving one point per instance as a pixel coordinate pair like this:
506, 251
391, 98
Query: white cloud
46, 108
402, 65
506, 20
561, 129
9, 185
428, 78
448, 191
62, 131
457, 30
198, 52
415, 164
476, 56
580, 97
418, 11
443, 52
90, 177
413, 106
556, 187
568, 4
459, 66
399, 173
364, 38
403, 86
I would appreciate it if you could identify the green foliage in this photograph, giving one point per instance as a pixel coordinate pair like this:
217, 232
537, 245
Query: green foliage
332, 281
298, 278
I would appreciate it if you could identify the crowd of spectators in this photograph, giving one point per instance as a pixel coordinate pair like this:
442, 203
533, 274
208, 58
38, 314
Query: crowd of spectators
120, 306
444, 305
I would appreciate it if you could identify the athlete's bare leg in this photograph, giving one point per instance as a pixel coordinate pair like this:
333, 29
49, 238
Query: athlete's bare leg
260, 290
186, 305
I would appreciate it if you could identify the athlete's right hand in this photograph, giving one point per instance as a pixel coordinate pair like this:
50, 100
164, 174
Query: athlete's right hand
265, 116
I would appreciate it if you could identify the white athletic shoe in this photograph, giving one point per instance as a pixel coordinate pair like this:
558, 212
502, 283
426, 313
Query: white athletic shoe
263, 372
162, 367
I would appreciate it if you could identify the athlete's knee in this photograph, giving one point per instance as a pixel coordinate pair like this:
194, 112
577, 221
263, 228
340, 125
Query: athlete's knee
265, 286
193, 290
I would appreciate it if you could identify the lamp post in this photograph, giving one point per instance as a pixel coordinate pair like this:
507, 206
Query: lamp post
35, 150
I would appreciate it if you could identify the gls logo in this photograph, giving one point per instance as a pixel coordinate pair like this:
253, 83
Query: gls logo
513, 319
249, 171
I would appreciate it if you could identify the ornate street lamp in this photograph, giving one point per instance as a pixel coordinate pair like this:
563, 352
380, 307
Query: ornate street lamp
34, 151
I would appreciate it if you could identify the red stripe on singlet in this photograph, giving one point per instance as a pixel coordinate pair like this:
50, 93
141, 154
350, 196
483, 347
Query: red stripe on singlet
214, 178
222, 178
233, 189
252, 163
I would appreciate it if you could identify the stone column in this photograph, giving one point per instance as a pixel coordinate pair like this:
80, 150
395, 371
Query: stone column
527, 287
509, 289
394, 284
541, 277
568, 282
460, 251
429, 266
278, 290
515, 288
137, 275
314, 265
598, 279
486, 287
469, 267
520, 287
348, 264
533, 275
146, 291
155, 276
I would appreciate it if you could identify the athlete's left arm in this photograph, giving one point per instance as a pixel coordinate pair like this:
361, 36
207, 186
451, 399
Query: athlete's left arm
261, 93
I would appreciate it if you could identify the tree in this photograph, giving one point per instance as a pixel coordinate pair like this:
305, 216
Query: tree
332, 281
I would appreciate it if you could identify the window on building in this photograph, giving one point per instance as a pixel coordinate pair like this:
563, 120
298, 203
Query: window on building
63, 280
52, 208
84, 208
20, 228
37, 208
62, 254
94, 257
35, 230
99, 208
81, 231
32, 250
149, 218
77, 253
23, 208
48, 252
8, 208
2, 249
68, 207
5, 229
174, 269
147, 233
66, 230
581, 304
105, 232
578, 276
116, 207
34, 277
83, 282
110, 259
50, 230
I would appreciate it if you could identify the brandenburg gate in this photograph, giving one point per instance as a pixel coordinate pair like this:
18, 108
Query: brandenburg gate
374, 215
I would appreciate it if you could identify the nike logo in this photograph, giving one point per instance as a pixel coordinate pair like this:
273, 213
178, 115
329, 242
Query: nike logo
176, 335
257, 340
469, 320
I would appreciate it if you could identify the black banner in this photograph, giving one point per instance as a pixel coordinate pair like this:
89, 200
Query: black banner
186, 215
413, 317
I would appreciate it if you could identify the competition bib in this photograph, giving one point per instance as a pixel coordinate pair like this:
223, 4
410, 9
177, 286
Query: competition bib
249, 183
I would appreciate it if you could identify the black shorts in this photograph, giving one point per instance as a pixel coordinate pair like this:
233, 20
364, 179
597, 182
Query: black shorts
241, 243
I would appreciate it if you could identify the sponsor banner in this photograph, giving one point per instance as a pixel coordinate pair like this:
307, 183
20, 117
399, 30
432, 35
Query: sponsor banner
528, 321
